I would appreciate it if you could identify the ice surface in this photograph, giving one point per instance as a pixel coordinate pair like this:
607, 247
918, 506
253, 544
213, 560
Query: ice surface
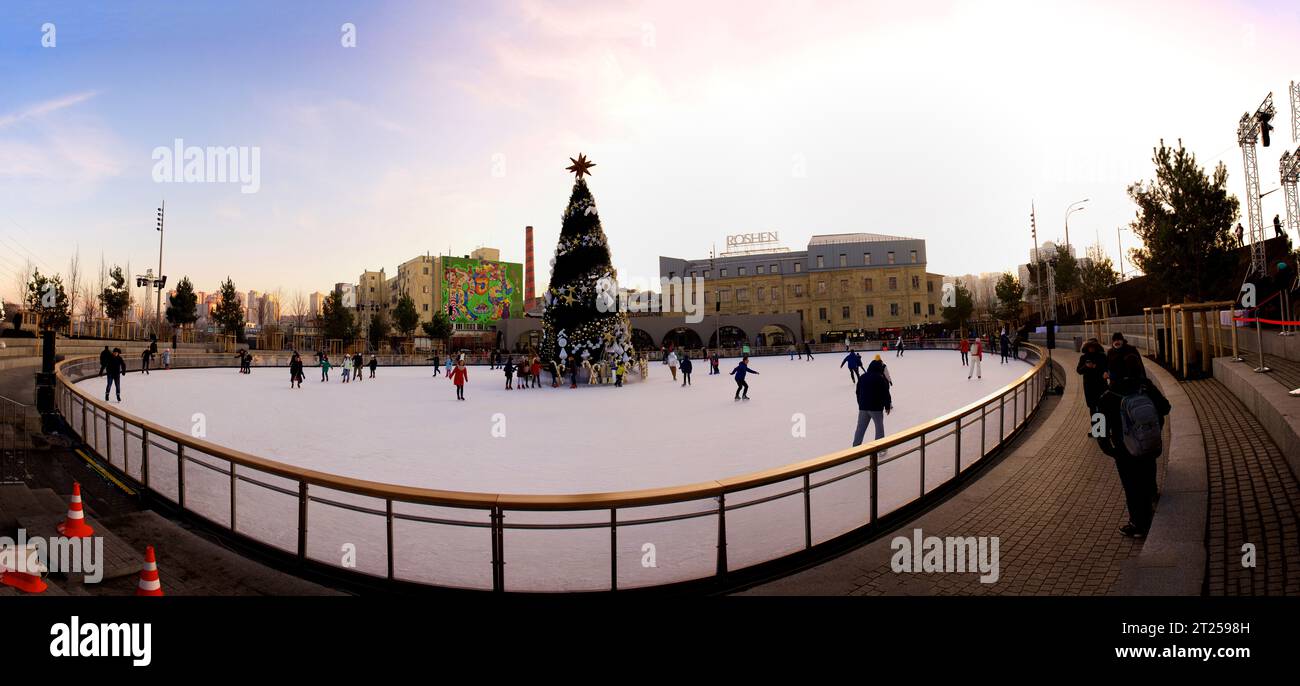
406, 427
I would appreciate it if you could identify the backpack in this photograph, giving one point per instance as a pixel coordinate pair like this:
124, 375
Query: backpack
1141, 425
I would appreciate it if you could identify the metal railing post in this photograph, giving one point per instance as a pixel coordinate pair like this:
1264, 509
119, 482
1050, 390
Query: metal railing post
722, 534
144, 456
613, 548
922, 466
956, 453
180, 476
389, 517
875, 483
807, 511
232, 496
302, 521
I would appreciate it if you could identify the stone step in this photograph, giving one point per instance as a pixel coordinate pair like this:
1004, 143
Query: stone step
120, 557
17, 501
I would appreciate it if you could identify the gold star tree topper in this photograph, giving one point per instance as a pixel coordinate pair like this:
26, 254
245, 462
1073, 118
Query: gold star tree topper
580, 166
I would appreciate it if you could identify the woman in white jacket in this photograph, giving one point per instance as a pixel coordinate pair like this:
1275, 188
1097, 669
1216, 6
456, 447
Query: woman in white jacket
672, 364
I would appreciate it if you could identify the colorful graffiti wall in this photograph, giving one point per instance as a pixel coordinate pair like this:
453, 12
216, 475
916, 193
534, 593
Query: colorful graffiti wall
479, 292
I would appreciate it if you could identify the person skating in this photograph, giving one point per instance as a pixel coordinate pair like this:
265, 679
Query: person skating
324, 368
374, 364
854, 361
509, 368
874, 402
167, 358
145, 357
1004, 345
1135, 414
572, 366
447, 368
739, 372
116, 368
295, 371
792, 351
976, 359
437, 364
713, 364
964, 347
898, 346
346, 366
460, 376
535, 372
686, 369
105, 360
807, 349
619, 371
357, 366
672, 364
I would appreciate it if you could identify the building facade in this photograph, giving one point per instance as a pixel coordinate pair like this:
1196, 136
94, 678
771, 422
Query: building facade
842, 285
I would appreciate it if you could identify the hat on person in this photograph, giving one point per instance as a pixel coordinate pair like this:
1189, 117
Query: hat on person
877, 357
1117, 336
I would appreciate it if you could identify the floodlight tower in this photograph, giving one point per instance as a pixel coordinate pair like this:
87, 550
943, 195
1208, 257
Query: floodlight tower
1295, 111
1249, 130
1289, 169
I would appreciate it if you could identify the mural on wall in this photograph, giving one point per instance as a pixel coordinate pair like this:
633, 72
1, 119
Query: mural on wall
479, 292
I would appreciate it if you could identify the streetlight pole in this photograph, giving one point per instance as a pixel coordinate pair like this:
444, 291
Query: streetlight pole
157, 316
1075, 206
1119, 239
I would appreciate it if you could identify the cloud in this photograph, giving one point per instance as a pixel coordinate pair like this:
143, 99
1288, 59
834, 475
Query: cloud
41, 109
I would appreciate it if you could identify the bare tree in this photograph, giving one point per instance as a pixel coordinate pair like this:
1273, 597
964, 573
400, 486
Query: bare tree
23, 277
73, 282
298, 307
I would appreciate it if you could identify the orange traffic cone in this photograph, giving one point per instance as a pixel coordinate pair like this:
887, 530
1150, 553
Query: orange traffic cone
75, 525
28, 581
149, 583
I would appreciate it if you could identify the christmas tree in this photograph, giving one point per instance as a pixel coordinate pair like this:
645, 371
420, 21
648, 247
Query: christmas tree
581, 318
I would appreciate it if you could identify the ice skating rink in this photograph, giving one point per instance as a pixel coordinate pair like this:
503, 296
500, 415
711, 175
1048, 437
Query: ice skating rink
406, 427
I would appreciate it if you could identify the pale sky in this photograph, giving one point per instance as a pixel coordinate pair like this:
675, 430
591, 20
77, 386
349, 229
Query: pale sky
449, 125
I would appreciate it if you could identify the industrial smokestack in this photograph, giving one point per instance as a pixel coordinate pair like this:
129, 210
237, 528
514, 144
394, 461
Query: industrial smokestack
529, 291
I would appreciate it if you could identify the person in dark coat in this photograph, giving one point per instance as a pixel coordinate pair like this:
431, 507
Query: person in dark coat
1092, 367
116, 368
739, 372
374, 364
854, 361
1119, 351
874, 402
105, 360
510, 373
295, 371
1136, 473
686, 367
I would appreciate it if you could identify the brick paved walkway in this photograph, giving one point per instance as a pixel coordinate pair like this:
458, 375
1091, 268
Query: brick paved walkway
1254, 498
1056, 510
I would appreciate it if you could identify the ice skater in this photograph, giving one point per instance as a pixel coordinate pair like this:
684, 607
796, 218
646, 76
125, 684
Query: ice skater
874, 402
807, 349
437, 364
672, 364
460, 376
167, 358
572, 366
898, 346
374, 364
742, 369
295, 371
854, 361
324, 368
1004, 345
447, 371
509, 368
713, 364
792, 352
964, 346
145, 357
346, 366
357, 366
976, 357
535, 372
621, 369
116, 368
686, 370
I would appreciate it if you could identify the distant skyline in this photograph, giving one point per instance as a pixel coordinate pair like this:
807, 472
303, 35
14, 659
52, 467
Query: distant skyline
449, 124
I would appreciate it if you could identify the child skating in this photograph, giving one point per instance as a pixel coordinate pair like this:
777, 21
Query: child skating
460, 376
739, 372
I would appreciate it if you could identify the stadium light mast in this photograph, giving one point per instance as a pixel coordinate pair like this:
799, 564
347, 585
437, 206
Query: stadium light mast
1249, 130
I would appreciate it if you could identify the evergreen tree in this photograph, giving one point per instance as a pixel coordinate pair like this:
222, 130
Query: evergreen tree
405, 318
1010, 294
47, 298
229, 314
336, 318
182, 307
581, 316
956, 317
116, 297
439, 329
1185, 221
378, 329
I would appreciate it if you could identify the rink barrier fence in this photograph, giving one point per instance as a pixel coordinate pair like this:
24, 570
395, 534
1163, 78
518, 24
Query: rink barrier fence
159, 448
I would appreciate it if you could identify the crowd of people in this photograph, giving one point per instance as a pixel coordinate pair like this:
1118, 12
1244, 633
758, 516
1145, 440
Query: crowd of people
1127, 418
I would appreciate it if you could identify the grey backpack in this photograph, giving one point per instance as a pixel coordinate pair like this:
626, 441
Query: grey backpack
1141, 425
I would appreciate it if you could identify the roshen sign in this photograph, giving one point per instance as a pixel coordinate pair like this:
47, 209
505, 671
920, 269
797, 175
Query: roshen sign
752, 238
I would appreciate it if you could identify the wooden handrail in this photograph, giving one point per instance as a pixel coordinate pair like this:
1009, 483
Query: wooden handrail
512, 501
